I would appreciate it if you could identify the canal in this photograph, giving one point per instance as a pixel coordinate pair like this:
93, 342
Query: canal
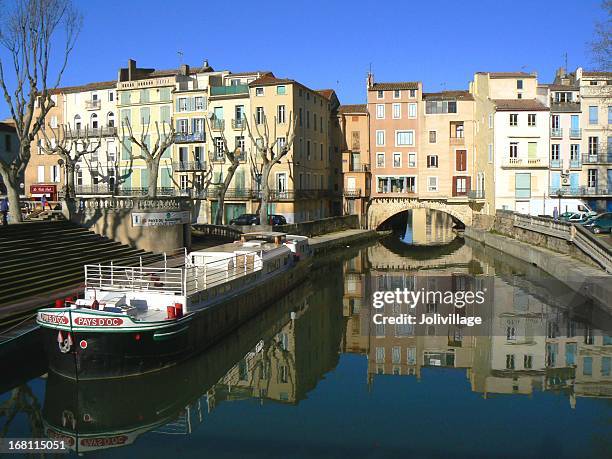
315, 375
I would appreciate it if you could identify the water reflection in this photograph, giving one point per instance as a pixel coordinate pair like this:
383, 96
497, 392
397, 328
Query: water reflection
424, 227
298, 357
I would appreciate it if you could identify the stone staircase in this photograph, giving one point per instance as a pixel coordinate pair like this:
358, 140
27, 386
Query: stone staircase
43, 259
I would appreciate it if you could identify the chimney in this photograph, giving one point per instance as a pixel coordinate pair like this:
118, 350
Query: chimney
184, 69
370, 80
131, 69
205, 63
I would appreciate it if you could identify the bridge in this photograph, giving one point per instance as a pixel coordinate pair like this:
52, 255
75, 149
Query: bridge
221, 232
382, 208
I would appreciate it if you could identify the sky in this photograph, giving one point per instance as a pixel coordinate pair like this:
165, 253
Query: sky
332, 44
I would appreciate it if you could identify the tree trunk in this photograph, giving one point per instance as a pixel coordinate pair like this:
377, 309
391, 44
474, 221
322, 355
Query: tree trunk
12, 191
153, 168
221, 193
70, 172
265, 193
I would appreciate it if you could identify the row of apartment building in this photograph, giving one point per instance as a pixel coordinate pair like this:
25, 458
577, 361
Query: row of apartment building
507, 142
207, 109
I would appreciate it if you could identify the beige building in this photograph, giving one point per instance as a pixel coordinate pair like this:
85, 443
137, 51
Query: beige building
354, 125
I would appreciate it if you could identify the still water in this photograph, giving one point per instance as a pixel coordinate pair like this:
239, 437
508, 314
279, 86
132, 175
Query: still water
313, 376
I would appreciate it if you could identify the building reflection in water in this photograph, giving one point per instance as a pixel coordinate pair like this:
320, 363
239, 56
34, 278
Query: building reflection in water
426, 227
535, 338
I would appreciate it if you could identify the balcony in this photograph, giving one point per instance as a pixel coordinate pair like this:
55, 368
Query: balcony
229, 90
597, 158
556, 164
185, 166
217, 124
575, 164
359, 168
575, 133
82, 133
556, 132
583, 191
239, 123
476, 195
184, 137
352, 193
457, 140
93, 104
529, 163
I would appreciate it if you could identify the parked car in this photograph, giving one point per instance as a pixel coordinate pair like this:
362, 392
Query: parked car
575, 217
245, 220
277, 220
600, 224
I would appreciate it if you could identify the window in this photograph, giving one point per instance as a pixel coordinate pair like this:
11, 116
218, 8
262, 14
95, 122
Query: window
55, 176
413, 93
531, 119
380, 160
412, 110
490, 152
307, 119
281, 90
440, 106
397, 160
574, 152
280, 114
165, 95
41, 174
145, 115
199, 103
461, 160
593, 114
593, 145
125, 97
519, 84
411, 159
404, 138
593, 83
432, 184
54, 121
259, 91
592, 178
380, 111
182, 126
609, 114
144, 96
461, 185
532, 150
587, 366
94, 121
380, 138
528, 362
522, 185
164, 114
432, 161
182, 104
379, 94
513, 150
509, 361
555, 151
111, 96
259, 115
397, 94
490, 120
397, 111
513, 119
126, 117
432, 136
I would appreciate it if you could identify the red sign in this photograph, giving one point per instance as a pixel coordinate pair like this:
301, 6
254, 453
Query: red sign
104, 441
53, 318
40, 189
60, 436
99, 321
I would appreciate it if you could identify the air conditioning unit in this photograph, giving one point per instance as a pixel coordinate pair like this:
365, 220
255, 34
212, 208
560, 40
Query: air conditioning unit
565, 181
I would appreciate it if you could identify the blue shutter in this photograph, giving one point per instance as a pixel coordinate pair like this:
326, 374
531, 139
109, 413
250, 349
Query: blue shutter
144, 178
555, 180
574, 180
165, 177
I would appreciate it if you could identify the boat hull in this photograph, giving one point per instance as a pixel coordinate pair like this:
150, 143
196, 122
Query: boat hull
117, 353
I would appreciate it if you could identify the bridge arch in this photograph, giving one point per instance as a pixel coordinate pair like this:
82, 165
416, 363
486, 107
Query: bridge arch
381, 209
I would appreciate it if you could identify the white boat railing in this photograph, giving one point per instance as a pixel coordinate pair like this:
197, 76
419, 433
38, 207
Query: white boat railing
222, 271
183, 280
135, 278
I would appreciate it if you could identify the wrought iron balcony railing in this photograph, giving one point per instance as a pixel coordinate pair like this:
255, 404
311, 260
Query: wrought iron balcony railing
575, 133
581, 191
93, 104
476, 194
183, 166
352, 193
184, 137
597, 158
108, 131
556, 164
556, 132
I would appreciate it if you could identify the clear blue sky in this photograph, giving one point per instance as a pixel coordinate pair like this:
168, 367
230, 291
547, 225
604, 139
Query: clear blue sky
331, 44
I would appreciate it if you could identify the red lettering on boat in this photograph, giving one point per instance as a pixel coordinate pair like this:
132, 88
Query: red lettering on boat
99, 321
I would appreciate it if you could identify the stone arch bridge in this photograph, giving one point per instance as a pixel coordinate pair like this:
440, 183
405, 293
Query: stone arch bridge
380, 209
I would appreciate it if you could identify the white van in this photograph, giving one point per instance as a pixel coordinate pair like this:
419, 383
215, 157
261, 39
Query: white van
547, 206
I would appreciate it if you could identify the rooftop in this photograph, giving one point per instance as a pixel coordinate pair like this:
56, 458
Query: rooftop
86, 87
562, 87
509, 74
445, 95
597, 74
519, 104
394, 85
353, 108
7, 126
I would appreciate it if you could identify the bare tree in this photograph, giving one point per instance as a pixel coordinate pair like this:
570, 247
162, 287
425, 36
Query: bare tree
71, 146
199, 186
28, 32
269, 151
151, 155
110, 173
601, 46
233, 156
